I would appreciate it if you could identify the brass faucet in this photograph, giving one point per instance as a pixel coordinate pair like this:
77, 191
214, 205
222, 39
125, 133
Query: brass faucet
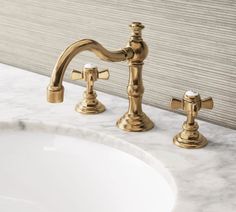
90, 74
136, 51
191, 104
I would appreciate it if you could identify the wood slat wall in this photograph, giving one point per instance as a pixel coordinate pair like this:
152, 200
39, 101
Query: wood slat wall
192, 44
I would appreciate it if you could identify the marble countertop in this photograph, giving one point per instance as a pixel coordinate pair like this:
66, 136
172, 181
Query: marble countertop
204, 179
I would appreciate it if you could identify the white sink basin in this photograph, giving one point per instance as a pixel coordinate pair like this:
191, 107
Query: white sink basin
47, 172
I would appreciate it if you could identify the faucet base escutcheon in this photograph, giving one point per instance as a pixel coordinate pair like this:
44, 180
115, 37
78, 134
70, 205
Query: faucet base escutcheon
190, 138
135, 123
90, 105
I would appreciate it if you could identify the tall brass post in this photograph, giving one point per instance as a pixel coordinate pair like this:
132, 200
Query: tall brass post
135, 119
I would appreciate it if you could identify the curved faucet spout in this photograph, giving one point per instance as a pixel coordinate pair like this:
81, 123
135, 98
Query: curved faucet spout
55, 90
135, 52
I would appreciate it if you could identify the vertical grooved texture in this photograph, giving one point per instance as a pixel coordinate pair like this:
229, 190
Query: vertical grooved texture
192, 44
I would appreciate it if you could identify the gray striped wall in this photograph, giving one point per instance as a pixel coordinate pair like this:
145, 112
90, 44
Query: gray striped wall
192, 44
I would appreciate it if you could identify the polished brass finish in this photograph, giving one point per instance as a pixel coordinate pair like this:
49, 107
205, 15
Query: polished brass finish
135, 53
191, 104
90, 104
135, 119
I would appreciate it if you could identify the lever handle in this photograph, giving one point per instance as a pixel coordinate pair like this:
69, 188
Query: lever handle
76, 75
104, 74
176, 103
207, 103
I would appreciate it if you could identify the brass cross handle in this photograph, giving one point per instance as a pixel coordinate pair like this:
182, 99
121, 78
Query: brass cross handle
191, 104
90, 74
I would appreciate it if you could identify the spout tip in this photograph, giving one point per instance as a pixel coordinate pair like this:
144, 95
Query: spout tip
55, 95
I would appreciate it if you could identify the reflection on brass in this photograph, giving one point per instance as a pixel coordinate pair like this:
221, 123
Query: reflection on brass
191, 104
135, 53
90, 104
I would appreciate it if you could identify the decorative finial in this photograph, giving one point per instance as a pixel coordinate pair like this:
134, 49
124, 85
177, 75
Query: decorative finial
136, 30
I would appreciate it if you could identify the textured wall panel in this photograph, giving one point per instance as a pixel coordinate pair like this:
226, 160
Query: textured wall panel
192, 44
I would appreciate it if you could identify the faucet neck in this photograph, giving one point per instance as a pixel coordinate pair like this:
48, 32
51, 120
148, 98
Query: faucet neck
135, 119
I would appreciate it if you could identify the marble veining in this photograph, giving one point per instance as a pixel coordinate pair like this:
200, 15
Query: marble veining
205, 179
